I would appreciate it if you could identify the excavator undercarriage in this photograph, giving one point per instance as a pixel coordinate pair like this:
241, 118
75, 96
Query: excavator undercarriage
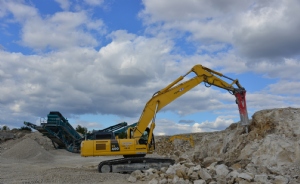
125, 165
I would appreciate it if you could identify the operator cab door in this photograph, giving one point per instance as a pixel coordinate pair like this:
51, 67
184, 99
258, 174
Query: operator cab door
144, 139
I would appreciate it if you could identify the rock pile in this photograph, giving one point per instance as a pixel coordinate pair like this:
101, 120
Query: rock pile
217, 172
268, 153
27, 146
28, 149
5, 135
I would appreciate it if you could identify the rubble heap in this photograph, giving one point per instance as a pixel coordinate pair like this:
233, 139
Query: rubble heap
269, 152
217, 172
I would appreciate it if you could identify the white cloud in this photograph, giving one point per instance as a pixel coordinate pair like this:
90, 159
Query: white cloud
57, 31
255, 29
260, 101
64, 4
63, 29
269, 31
174, 10
202, 99
285, 87
86, 80
121, 76
287, 69
168, 127
94, 2
21, 12
219, 124
89, 125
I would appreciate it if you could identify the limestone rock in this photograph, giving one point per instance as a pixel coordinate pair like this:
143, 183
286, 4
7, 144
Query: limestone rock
280, 180
153, 181
194, 176
132, 179
204, 175
199, 182
222, 170
233, 174
245, 176
263, 178
269, 152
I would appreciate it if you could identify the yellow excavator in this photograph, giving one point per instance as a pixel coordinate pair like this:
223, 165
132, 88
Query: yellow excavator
182, 137
140, 139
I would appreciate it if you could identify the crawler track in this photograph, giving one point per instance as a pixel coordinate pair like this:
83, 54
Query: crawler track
133, 163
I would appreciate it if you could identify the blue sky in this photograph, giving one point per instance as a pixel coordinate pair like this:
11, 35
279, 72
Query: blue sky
99, 62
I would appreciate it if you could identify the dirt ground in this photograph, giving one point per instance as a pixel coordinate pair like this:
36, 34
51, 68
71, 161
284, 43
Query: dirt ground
33, 159
63, 167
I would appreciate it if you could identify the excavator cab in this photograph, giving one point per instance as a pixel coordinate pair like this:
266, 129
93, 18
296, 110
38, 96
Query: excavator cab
144, 137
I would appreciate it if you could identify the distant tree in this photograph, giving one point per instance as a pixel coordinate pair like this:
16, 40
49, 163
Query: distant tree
81, 129
25, 128
5, 127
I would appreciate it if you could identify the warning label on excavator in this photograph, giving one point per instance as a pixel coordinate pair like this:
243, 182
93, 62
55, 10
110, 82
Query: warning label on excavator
115, 145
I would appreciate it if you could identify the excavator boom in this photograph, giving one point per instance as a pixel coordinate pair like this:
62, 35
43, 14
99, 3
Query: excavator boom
140, 139
174, 90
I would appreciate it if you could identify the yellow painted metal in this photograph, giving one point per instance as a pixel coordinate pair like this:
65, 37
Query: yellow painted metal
173, 91
87, 148
160, 99
103, 148
183, 137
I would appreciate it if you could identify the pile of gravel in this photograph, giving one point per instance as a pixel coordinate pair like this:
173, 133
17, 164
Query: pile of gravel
28, 149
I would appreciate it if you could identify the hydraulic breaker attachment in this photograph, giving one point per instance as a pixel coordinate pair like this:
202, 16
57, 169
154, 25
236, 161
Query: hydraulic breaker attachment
241, 102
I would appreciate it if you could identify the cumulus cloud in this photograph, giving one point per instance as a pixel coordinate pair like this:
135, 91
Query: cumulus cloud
81, 80
57, 31
219, 124
202, 99
70, 70
89, 125
63, 29
186, 121
94, 2
255, 29
64, 4
287, 69
285, 87
259, 101
269, 31
168, 127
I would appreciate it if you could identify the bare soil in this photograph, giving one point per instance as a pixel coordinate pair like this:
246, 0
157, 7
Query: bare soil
27, 161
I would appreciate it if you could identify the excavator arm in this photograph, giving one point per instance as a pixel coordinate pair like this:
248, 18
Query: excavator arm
140, 140
174, 90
